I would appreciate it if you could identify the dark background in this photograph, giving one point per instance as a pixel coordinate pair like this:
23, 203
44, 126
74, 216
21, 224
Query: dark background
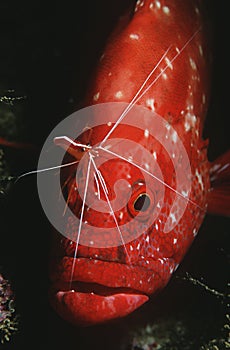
47, 53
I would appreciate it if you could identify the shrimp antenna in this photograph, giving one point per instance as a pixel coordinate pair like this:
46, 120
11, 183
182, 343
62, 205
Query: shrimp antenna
75, 149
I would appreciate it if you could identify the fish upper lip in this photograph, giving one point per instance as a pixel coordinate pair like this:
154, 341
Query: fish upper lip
112, 276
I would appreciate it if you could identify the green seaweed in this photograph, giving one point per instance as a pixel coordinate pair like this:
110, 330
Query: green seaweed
178, 332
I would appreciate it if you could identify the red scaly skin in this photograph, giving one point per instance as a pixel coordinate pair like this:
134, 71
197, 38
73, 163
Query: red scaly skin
112, 282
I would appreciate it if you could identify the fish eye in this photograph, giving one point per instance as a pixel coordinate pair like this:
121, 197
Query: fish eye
142, 203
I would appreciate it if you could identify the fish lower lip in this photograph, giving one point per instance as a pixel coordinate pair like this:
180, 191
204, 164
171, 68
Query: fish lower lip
87, 309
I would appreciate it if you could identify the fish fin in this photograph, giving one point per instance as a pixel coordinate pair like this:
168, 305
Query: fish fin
219, 195
16, 145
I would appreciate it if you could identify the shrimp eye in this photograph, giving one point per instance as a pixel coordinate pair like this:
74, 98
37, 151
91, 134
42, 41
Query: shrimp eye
142, 203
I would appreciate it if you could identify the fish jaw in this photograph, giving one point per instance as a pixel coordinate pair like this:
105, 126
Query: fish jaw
87, 309
111, 290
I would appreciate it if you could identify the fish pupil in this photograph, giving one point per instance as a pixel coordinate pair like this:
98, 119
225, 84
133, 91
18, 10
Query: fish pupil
142, 203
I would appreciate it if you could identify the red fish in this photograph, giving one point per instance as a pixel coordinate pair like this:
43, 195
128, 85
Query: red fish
157, 59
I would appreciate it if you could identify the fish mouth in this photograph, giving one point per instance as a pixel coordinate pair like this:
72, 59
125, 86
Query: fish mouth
100, 291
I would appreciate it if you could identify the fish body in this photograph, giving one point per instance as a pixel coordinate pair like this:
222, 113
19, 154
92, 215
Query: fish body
165, 41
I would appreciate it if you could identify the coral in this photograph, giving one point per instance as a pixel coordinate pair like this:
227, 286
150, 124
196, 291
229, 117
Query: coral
177, 332
5, 178
164, 335
9, 320
11, 114
224, 342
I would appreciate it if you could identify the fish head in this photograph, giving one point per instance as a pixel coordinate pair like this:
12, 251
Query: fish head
137, 214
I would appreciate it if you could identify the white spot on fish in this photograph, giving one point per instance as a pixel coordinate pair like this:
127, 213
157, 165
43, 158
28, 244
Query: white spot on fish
190, 120
155, 155
109, 123
139, 4
174, 240
147, 239
169, 63
134, 36
102, 56
197, 10
96, 96
185, 193
166, 10
118, 94
146, 133
158, 4
187, 126
192, 63
150, 103
198, 175
168, 126
164, 75
201, 50
174, 136
194, 232
172, 216
131, 247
